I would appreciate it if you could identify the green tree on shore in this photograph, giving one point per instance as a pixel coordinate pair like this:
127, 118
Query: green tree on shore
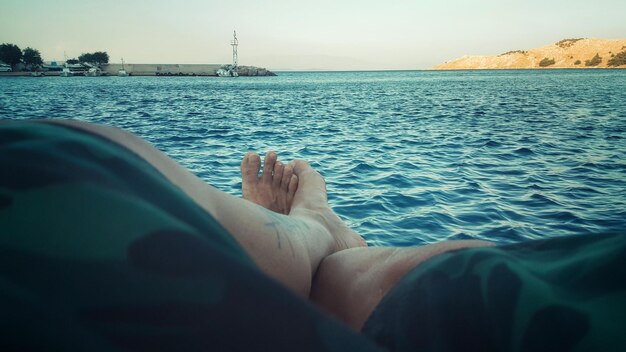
97, 58
10, 54
595, 61
546, 62
31, 57
618, 60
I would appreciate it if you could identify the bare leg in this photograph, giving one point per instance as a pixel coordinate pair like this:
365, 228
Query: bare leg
350, 284
288, 248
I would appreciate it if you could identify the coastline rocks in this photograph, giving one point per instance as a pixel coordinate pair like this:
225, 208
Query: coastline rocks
254, 71
181, 70
162, 69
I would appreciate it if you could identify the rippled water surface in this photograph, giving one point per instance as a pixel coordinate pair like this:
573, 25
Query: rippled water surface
409, 157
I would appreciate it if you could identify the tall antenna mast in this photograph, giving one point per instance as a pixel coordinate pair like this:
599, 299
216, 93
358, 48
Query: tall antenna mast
235, 43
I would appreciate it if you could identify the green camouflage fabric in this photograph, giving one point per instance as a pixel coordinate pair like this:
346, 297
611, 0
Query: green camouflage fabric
557, 294
99, 252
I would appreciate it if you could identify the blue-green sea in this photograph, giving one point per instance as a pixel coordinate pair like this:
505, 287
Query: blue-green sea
410, 157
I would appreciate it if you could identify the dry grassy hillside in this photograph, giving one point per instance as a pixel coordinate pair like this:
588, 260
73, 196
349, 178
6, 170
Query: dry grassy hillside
567, 53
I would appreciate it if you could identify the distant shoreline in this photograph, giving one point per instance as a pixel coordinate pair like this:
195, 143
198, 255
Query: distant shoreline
57, 73
573, 53
203, 70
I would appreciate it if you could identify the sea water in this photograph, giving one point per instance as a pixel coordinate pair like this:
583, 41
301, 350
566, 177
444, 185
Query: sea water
410, 157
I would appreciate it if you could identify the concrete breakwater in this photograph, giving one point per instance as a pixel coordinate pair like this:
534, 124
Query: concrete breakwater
179, 69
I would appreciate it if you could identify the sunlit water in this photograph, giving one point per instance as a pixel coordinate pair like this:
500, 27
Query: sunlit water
409, 157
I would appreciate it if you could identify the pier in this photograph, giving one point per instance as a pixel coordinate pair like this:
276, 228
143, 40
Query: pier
162, 70
180, 70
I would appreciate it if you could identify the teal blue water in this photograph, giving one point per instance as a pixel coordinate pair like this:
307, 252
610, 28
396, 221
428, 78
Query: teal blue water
410, 157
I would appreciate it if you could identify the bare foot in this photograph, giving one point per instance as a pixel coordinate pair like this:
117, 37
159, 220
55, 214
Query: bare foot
274, 189
310, 201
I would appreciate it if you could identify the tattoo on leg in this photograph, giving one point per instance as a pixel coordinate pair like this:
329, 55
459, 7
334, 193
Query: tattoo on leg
274, 220
293, 253
272, 225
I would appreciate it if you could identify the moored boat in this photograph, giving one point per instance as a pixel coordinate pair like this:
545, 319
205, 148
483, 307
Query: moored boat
93, 72
65, 72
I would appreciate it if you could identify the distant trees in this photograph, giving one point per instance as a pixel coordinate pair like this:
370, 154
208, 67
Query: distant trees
31, 57
568, 42
577, 62
618, 60
595, 61
10, 54
97, 58
546, 62
514, 52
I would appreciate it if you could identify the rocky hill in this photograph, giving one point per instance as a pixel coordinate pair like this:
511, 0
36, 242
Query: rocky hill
567, 53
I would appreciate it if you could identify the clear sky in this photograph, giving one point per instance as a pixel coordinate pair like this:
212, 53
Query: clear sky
303, 35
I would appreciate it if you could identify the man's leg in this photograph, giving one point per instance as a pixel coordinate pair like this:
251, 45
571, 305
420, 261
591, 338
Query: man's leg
288, 248
351, 283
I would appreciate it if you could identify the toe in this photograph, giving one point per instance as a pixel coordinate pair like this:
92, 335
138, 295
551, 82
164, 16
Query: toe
268, 167
293, 186
250, 166
278, 174
300, 166
287, 173
307, 174
310, 182
302, 169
